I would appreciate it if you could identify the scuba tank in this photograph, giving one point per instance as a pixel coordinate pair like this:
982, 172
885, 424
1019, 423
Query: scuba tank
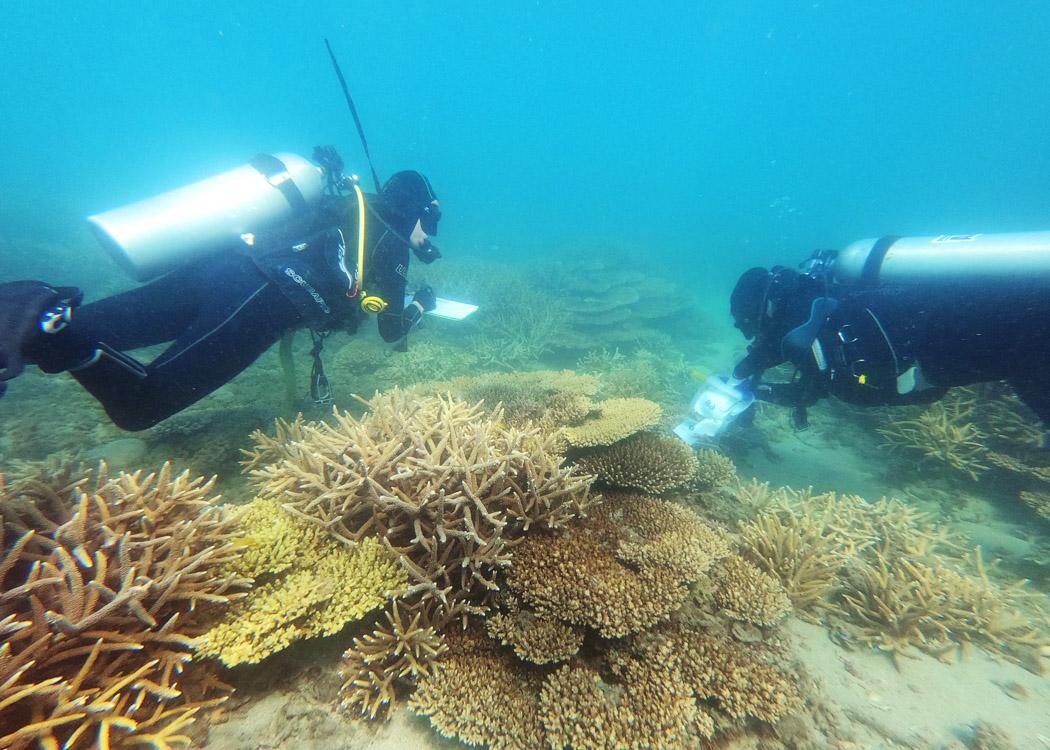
945, 259
270, 196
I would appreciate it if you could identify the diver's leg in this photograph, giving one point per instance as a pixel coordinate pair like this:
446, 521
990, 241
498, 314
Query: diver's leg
154, 313
228, 335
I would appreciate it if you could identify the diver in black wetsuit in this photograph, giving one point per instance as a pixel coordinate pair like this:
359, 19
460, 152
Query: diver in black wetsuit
891, 344
222, 312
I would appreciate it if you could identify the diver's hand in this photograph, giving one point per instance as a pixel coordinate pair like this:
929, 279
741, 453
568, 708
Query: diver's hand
425, 298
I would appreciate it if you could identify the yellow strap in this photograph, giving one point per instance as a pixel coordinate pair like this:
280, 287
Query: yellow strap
360, 235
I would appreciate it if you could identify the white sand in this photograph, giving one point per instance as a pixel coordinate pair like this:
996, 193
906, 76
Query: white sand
927, 704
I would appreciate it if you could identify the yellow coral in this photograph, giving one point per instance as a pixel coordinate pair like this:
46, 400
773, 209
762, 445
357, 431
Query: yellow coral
312, 586
619, 418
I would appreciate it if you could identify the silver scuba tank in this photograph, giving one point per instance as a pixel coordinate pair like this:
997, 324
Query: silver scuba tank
945, 258
273, 194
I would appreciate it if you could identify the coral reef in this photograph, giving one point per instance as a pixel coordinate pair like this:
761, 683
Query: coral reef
637, 554
614, 420
745, 592
713, 471
644, 461
106, 582
883, 575
446, 488
632, 683
943, 433
534, 639
306, 585
547, 398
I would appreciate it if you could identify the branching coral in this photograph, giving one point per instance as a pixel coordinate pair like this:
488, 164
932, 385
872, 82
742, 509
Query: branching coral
446, 488
407, 646
898, 605
645, 461
306, 585
941, 434
796, 550
100, 606
616, 419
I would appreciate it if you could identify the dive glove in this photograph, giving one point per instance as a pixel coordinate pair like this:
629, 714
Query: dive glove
28, 309
425, 297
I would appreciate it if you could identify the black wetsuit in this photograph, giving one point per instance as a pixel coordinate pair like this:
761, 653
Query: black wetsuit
897, 345
220, 314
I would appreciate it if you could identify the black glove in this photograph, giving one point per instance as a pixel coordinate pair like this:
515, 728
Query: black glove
428, 253
27, 310
425, 297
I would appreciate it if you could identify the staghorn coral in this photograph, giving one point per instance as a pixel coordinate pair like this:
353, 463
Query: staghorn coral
646, 703
101, 602
445, 488
408, 646
481, 696
745, 592
796, 550
617, 419
534, 639
644, 461
306, 585
943, 433
898, 604
624, 570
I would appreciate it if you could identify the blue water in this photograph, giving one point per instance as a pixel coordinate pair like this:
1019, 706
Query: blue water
707, 136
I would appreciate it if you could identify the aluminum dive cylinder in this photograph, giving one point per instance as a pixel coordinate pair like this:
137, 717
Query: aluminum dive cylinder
946, 259
271, 196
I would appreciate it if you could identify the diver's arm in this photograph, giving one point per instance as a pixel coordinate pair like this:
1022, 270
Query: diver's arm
762, 354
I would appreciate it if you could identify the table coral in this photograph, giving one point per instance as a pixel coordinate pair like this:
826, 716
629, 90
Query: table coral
747, 593
480, 696
644, 461
624, 570
713, 470
617, 418
534, 639
646, 704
